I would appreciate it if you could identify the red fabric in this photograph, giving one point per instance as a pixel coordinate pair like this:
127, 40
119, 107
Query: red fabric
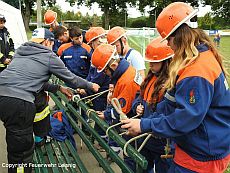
58, 115
217, 166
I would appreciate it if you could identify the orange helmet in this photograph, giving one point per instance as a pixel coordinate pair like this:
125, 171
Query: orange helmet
87, 35
102, 55
173, 16
94, 33
115, 34
158, 51
49, 17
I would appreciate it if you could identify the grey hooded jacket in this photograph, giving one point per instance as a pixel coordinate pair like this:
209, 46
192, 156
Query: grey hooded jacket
31, 67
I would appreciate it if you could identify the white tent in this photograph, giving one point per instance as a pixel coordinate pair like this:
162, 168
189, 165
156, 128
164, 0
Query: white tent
14, 23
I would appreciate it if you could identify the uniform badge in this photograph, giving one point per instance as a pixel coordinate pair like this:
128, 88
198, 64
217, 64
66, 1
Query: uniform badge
138, 79
122, 102
192, 96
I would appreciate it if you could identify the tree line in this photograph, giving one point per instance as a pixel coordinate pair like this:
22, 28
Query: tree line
115, 12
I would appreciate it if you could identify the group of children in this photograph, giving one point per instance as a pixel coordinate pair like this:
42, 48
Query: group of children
184, 96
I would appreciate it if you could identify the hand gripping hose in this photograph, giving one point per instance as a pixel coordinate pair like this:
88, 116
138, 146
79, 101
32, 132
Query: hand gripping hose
93, 96
117, 107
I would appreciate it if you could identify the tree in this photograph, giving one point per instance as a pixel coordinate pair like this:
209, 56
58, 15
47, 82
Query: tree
139, 22
206, 22
117, 17
156, 6
109, 7
14, 3
27, 8
220, 8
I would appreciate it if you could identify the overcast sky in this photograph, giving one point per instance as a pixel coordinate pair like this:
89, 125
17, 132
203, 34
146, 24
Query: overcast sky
132, 12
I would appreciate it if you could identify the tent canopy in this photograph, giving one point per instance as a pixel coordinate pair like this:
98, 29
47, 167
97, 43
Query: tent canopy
14, 23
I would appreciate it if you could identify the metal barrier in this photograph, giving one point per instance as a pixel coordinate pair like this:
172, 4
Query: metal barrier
63, 103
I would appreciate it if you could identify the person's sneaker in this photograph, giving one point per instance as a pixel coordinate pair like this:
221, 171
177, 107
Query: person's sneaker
117, 150
39, 141
48, 139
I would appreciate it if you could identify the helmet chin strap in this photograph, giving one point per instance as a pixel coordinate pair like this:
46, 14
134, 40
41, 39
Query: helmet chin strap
155, 73
122, 47
111, 71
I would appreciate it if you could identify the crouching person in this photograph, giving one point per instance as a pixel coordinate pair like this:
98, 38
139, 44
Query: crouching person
41, 124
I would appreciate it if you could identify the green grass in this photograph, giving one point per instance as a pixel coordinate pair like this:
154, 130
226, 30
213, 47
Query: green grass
225, 51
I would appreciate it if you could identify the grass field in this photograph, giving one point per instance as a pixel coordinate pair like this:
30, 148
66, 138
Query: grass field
225, 51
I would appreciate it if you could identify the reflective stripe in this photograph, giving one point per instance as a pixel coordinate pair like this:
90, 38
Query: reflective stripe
42, 115
169, 97
112, 114
2, 65
11, 53
1, 55
20, 169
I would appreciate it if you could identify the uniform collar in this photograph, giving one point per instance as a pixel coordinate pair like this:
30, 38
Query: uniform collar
202, 47
121, 68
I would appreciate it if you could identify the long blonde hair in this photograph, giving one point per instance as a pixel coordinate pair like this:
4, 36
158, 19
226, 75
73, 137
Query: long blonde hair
186, 39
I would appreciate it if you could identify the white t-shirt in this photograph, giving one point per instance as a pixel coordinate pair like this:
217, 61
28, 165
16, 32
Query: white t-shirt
135, 59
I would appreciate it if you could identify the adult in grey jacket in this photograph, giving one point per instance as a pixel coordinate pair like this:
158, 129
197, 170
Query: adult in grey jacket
32, 66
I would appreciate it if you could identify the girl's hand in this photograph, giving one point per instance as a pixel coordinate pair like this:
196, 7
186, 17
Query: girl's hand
110, 93
95, 87
82, 92
140, 109
100, 114
132, 125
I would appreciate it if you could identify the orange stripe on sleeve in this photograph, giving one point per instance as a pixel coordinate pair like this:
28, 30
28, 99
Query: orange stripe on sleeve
87, 47
63, 47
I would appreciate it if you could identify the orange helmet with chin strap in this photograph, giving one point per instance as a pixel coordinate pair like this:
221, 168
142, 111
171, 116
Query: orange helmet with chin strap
173, 16
94, 33
115, 34
49, 17
102, 56
158, 51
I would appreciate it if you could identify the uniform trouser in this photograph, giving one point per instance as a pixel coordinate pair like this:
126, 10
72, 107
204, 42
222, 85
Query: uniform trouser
153, 158
99, 104
18, 116
174, 168
41, 128
128, 160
